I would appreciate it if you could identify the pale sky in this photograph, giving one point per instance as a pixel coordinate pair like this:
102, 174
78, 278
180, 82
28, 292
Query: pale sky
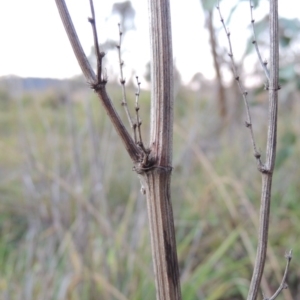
34, 42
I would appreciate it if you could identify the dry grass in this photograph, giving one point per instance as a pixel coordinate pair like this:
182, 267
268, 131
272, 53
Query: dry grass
74, 225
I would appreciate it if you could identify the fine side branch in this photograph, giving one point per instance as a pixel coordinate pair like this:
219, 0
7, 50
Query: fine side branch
244, 93
139, 139
263, 63
283, 285
135, 125
123, 82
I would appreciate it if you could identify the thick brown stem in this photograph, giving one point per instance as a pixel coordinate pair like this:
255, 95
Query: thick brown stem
157, 180
162, 233
161, 135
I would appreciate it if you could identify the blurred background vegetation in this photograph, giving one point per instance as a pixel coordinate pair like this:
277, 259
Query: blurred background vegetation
73, 222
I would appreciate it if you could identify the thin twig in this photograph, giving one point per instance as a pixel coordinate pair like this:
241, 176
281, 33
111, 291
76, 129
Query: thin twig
244, 93
283, 284
99, 55
254, 42
123, 81
138, 120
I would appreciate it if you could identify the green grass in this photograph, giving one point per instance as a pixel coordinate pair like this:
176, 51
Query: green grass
74, 225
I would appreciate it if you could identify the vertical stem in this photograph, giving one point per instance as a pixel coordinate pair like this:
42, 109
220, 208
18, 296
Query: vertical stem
157, 180
262, 237
273, 86
162, 81
162, 233
270, 156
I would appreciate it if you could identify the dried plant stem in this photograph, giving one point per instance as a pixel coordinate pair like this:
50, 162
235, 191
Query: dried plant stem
99, 55
73, 38
244, 93
98, 86
153, 166
157, 181
123, 81
139, 140
267, 168
283, 285
270, 154
254, 42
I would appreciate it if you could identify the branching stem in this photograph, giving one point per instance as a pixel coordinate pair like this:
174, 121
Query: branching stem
283, 285
123, 81
244, 93
99, 87
267, 168
270, 154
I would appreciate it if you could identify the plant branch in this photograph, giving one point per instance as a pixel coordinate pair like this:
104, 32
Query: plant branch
254, 42
75, 43
244, 93
270, 154
283, 284
138, 120
123, 81
267, 168
99, 55
99, 86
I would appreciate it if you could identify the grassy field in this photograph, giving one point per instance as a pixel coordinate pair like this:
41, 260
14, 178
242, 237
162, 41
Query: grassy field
74, 223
